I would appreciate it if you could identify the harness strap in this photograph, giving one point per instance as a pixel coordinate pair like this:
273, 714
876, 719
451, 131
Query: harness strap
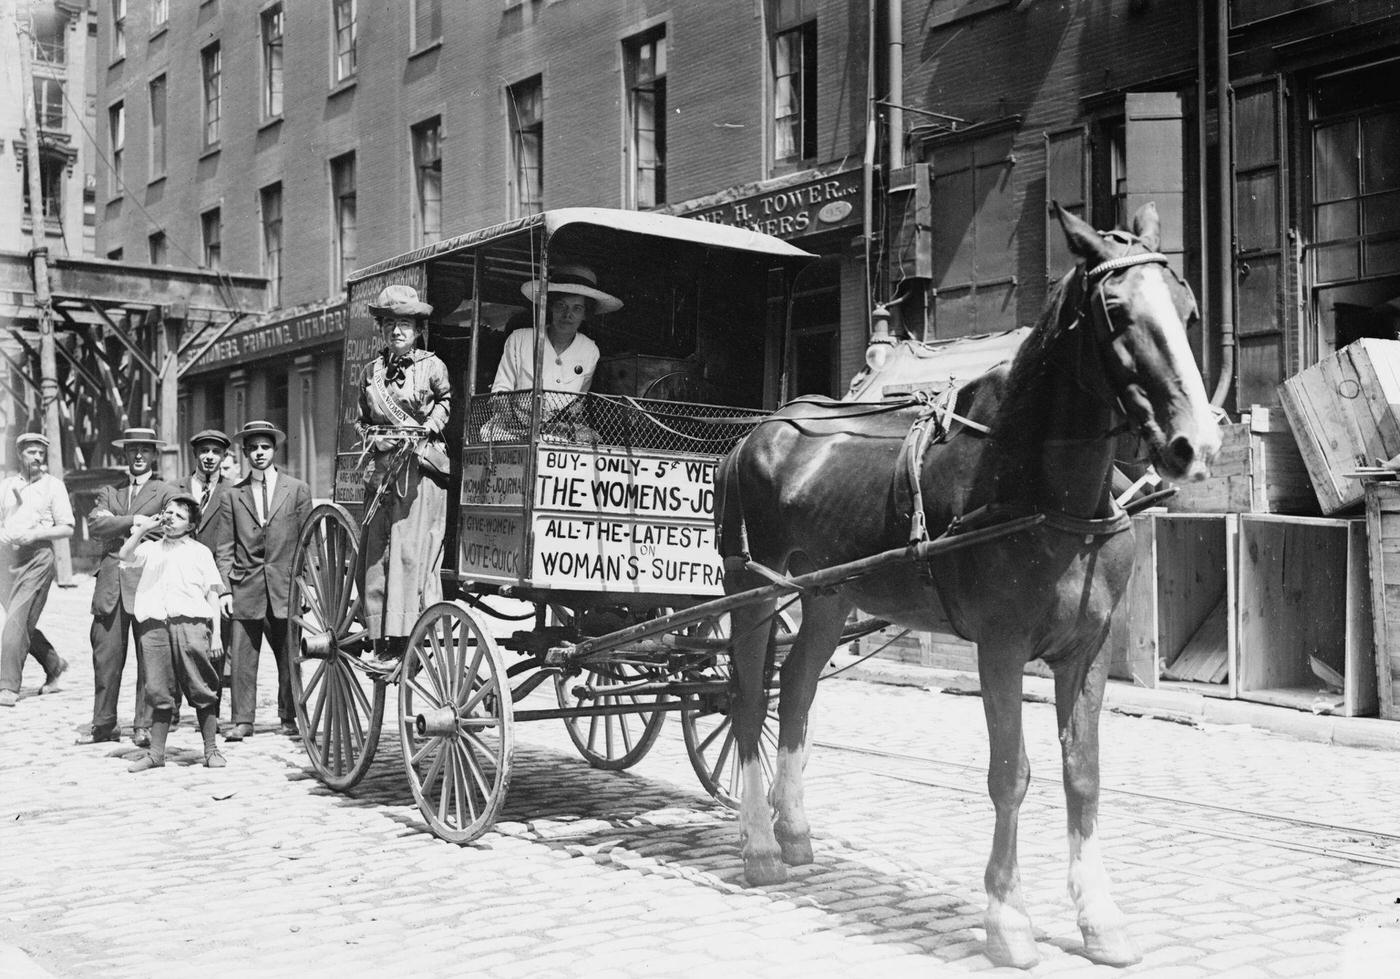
1126, 261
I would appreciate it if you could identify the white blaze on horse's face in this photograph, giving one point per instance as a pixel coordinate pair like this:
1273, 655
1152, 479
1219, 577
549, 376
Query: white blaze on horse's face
1164, 394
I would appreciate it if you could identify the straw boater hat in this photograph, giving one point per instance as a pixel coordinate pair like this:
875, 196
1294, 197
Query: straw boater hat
578, 279
399, 301
31, 438
261, 427
138, 436
211, 435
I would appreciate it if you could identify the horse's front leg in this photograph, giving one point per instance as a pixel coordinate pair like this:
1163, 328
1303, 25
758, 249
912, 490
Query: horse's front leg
748, 710
1010, 940
1079, 688
822, 620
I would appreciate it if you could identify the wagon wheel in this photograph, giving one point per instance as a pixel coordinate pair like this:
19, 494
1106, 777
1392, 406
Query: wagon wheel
339, 708
456, 722
610, 741
710, 739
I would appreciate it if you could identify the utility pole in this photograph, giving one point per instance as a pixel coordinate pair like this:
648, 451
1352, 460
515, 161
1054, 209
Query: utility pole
43, 299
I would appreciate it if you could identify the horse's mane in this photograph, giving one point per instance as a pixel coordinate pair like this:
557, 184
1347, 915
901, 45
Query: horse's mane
1018, 414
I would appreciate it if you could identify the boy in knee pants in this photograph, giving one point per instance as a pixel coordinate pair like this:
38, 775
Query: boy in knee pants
177, 624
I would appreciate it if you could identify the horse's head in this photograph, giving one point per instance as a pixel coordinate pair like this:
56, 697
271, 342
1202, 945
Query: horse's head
1138, 308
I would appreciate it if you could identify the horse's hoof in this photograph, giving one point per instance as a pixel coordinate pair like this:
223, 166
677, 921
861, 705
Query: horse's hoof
1016, 954
760, 869
796, 853
1010, 940
1110, 947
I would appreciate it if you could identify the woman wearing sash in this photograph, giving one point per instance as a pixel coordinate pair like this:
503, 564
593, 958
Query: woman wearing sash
406, 388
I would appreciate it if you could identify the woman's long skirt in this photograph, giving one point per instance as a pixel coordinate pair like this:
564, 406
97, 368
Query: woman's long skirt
403, 554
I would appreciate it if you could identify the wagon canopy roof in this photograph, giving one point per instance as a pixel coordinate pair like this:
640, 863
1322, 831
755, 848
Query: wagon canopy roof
688, 230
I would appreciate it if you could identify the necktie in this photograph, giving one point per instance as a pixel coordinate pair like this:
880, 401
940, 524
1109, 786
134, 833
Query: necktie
262, 488
204, 496
130, 493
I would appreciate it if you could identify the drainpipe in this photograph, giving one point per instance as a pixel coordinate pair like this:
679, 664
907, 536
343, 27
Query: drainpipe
1203, 177
868, 163
894, 74
1225, 254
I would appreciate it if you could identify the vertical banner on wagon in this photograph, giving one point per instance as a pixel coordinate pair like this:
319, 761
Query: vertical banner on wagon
491, 538
622, 522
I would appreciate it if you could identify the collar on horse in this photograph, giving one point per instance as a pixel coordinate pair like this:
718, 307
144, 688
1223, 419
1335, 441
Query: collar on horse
934, 424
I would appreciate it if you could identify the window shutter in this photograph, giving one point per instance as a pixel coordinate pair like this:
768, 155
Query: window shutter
1259, 232
1066, 181
1155, 170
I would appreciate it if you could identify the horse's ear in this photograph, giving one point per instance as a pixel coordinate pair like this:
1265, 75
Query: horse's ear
1147, 226
1083, 240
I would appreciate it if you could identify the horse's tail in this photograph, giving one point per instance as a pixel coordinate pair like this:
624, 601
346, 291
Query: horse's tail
731, 535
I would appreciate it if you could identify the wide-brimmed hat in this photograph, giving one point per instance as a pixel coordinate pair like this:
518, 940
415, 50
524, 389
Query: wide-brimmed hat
31, 438
578, 279
261, 427
211, 435
138, 436
399, 301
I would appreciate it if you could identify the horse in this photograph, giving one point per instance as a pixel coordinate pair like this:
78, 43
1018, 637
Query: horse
821, 483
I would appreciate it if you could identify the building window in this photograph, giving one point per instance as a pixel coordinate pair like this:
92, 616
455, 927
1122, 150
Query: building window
157, 146
272, 62
50, 35
427, 171
645, 61
343, 205
160, 14
116, 143
974, 218
48, 103
51, 170
345, 35
270, 199
211, 228
214, 405
427, 23
118, 29
525, 106
794, 81
156, 249
212, 63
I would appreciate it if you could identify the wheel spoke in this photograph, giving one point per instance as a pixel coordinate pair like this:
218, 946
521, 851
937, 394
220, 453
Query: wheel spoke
480, 778
434, 767
469, 679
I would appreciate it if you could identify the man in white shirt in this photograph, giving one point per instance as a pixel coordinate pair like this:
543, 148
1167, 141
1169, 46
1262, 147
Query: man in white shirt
34, 512
177, 624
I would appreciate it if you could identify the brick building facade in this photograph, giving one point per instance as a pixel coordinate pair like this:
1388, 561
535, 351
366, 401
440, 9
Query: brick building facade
1104, 105
300, 141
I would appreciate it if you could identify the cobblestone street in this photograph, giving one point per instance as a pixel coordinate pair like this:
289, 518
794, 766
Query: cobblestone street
1234, 852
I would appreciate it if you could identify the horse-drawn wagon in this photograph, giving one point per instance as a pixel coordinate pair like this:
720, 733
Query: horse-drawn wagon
989, 508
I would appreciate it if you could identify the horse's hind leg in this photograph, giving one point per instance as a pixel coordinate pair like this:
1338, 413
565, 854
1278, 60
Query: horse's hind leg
1010, 940
750, 626
822, 620
1079, 687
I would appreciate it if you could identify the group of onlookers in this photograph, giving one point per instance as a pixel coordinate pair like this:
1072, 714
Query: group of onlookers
192, 570
203, 566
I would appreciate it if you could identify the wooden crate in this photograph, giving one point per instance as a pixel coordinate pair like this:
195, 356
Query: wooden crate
1303, 591
1181, 602
1258, 470
1383, 534
1345, 412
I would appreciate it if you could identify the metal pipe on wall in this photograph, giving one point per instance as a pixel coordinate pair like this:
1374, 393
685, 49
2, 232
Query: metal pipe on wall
1203, 180
894, 73
1225, 251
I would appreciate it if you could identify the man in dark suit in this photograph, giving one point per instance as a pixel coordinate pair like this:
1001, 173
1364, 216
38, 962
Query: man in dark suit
266, 509
114, 595
207, 485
